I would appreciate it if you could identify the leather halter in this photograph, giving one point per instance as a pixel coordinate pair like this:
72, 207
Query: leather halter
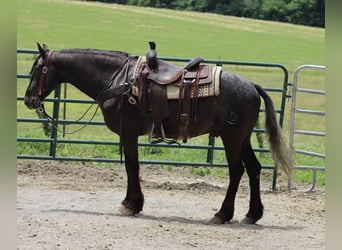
45, 70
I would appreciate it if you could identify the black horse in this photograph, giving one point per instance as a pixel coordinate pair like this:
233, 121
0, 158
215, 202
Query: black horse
95, 71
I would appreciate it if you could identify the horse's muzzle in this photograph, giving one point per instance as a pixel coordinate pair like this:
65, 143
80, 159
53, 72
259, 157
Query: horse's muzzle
32, 102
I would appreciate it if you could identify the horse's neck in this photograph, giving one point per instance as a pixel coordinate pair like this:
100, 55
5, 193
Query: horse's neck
88, 73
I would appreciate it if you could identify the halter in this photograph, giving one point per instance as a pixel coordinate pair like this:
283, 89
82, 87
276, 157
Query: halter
45, 70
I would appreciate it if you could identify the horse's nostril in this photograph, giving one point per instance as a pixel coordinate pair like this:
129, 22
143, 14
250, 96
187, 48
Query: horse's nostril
31, 102
36, 103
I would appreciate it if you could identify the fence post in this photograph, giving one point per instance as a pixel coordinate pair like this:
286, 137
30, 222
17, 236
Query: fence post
210, 152
64, 107
55, 115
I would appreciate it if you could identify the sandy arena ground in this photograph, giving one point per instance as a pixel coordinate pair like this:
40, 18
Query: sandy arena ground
69, 206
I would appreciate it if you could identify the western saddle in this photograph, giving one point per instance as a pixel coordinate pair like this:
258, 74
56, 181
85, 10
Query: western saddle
151, 78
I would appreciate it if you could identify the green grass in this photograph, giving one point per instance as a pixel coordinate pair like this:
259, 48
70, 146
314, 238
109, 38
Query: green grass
71, 24
67, 24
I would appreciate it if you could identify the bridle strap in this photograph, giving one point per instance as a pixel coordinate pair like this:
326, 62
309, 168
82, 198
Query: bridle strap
43, 74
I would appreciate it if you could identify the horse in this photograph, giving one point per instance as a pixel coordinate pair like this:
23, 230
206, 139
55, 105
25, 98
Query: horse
92, 71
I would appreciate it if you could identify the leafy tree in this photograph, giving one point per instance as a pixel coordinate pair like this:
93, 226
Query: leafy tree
306, 12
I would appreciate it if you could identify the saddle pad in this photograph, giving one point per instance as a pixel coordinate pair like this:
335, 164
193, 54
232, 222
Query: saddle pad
137, 68
204, 90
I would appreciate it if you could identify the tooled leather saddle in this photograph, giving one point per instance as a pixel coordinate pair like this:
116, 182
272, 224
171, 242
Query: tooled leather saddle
152, 79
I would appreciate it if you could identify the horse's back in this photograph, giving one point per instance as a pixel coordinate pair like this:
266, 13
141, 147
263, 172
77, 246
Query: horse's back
238, 90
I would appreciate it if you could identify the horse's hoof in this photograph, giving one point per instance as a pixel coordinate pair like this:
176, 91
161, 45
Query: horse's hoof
216, 220
248, 220
125, 211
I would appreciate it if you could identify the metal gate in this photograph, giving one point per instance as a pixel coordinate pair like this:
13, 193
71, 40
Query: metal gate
59, 110
295, 149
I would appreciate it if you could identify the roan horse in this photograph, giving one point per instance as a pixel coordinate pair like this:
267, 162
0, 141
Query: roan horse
94, 71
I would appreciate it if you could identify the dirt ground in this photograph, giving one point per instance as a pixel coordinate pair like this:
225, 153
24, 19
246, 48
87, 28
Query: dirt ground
69, 206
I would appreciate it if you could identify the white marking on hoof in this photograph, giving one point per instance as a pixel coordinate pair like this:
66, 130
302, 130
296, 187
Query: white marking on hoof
216, 220
234, 221
248, 220
125, 211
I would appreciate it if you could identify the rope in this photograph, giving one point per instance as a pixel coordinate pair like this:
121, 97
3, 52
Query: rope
53, 123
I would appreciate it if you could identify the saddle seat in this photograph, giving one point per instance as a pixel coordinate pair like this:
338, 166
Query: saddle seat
167, 73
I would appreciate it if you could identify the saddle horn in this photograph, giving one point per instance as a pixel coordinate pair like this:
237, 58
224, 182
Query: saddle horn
151, 57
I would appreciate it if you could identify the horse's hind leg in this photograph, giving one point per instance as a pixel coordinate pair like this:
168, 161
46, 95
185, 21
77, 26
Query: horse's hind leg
236, 170
253, 168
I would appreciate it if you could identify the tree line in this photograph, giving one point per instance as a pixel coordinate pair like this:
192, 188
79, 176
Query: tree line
304, 12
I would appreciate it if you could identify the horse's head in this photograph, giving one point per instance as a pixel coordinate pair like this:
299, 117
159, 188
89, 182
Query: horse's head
43, 78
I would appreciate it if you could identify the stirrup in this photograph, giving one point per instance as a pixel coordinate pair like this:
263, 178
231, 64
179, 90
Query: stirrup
152, 135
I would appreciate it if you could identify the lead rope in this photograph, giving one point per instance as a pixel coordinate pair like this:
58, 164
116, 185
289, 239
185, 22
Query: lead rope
41, 110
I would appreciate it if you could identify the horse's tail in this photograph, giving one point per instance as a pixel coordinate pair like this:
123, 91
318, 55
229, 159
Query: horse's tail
279, 150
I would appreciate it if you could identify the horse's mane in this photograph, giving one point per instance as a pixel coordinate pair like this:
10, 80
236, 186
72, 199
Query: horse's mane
34, 64
96, 52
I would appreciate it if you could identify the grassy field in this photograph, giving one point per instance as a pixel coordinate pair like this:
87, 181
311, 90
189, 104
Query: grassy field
75, 24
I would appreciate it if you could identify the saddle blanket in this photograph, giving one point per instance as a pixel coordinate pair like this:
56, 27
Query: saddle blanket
204, 90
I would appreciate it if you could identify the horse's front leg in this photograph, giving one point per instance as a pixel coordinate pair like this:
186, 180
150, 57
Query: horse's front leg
134, 200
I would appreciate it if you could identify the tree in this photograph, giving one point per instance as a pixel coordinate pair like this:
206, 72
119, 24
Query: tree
306, 12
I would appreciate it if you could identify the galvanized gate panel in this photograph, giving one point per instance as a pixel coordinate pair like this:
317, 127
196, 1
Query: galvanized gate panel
295, 149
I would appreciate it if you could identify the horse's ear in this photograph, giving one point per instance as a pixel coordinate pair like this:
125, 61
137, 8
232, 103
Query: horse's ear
42, 50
